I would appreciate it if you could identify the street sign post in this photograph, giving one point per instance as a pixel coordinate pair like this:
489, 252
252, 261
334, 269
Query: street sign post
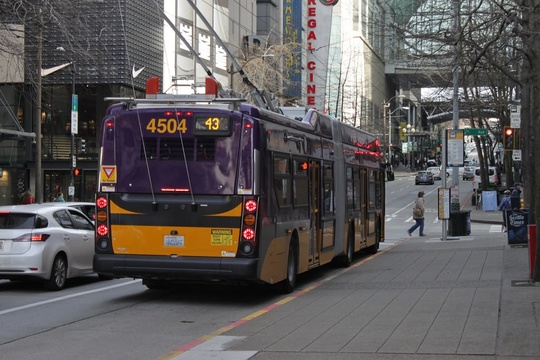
74, 113
475, 132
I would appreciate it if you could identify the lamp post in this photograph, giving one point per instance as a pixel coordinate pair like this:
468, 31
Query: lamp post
73, 127
74, 124
39, 176
386, 104
409, 131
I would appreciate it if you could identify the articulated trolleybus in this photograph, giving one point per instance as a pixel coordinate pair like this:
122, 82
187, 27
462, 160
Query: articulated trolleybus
205, 188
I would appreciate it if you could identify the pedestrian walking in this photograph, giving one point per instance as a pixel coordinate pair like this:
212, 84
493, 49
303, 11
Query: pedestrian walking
418, 215
515, 197
503, 206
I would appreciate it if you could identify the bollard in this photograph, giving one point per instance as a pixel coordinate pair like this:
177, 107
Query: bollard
532, 248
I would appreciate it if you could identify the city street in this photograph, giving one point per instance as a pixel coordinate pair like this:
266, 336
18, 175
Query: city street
418, 298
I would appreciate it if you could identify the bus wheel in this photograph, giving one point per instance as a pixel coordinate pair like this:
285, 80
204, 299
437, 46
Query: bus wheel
347, 260
373, 248
287, 285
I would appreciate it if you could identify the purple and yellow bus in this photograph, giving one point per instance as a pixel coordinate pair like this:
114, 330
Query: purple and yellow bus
199, 188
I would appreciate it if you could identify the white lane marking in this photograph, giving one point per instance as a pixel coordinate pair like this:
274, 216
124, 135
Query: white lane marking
216, 348
62, 298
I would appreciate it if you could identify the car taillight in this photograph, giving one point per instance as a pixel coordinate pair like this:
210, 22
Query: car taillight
32, 237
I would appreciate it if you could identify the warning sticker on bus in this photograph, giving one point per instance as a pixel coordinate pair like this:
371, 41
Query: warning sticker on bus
221, 237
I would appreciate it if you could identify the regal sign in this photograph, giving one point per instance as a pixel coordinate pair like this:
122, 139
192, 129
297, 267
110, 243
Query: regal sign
319, 24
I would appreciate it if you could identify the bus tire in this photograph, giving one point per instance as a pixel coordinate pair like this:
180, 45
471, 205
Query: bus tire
373, 248
348, 258
287, 286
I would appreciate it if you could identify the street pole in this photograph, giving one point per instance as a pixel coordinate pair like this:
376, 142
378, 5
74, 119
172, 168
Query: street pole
455, 206
39, 178
72, 157
385, 159
390, 138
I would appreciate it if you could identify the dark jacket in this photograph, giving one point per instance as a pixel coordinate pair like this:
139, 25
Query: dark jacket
515, 199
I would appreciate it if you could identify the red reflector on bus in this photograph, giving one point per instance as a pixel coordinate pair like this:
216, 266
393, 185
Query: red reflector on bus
101, 202
248, 126
102, 230
109, 124
250, 205
248, 233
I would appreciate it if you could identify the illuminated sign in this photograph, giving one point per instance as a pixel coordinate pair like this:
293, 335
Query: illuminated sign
212, 125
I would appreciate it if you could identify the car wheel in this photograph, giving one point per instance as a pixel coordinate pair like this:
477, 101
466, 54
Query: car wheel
58, 277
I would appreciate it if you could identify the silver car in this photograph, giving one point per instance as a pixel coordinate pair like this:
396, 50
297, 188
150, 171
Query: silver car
48, 242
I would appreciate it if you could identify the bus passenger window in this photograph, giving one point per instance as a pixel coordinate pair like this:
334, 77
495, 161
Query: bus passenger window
328, 189
371, 190
300, 183
350, 188
282, 181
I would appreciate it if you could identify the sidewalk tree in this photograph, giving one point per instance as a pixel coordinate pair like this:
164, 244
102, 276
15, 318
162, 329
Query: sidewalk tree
498, 62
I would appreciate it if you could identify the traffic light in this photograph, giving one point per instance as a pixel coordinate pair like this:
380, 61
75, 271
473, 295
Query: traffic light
508, 138
76, 172
82, 146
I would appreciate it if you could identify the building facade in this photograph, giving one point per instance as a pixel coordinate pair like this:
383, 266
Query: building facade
101, 49
93, 50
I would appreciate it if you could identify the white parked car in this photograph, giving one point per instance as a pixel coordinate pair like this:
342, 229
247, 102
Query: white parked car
51, 241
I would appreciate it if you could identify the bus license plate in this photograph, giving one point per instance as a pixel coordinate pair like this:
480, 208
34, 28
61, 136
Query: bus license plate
173, 240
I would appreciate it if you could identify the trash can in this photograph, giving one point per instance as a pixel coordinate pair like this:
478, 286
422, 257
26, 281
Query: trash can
460, 223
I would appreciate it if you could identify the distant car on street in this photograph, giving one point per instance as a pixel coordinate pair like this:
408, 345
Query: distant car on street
424, 177
435, 171
468, 173
449, 171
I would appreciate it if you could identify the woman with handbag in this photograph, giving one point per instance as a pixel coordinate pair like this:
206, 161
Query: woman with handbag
418, 215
